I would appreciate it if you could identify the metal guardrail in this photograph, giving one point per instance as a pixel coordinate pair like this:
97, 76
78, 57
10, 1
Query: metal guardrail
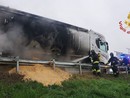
17, 61
125, 68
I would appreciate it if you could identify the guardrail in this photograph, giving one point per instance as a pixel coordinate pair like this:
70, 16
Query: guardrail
18, 61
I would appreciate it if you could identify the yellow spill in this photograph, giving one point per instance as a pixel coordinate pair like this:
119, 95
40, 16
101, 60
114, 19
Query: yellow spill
43, 74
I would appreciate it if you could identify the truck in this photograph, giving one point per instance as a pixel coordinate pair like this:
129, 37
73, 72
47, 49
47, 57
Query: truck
31, 36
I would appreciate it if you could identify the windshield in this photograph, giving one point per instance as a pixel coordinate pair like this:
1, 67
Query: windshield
102, 45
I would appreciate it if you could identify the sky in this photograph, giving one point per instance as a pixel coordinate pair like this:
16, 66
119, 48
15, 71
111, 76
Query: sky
102, 16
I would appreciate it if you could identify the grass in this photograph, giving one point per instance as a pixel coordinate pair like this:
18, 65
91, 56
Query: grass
85, 86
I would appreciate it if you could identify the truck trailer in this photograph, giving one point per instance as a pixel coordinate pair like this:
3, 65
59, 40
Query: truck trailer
31, 36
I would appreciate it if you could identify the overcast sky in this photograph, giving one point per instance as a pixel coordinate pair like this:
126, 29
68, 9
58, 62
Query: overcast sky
102, 16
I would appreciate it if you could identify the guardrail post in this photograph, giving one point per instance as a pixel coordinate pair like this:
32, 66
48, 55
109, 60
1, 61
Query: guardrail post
80, 69
17, 66
126, 70
53, 64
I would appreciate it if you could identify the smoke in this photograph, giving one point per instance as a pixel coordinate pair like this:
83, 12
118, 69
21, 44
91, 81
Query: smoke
27, 36
4, 42
19, 38
13, 40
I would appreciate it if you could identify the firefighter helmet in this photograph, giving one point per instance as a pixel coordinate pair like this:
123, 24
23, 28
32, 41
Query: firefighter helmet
111, 54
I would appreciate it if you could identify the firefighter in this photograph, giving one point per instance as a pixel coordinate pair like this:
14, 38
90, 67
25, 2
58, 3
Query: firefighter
95, 63
114, 64
125, 62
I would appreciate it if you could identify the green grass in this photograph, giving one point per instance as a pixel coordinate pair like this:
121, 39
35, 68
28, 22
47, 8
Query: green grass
85, 86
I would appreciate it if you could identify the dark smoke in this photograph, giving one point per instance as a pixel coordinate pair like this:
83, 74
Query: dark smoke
30, 36
27, 37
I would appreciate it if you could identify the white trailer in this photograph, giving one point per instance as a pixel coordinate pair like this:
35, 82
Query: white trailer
50, 38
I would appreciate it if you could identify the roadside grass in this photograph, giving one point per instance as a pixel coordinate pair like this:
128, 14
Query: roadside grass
85, 86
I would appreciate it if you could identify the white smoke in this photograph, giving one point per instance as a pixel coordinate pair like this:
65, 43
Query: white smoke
13, 40
4, 42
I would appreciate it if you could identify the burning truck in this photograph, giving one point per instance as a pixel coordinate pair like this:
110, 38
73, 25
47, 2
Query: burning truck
27, 35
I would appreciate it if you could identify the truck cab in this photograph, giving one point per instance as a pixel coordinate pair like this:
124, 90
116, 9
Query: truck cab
100, 45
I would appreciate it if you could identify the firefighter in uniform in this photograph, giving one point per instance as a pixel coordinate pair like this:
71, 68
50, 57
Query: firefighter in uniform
114, 64
95, 63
